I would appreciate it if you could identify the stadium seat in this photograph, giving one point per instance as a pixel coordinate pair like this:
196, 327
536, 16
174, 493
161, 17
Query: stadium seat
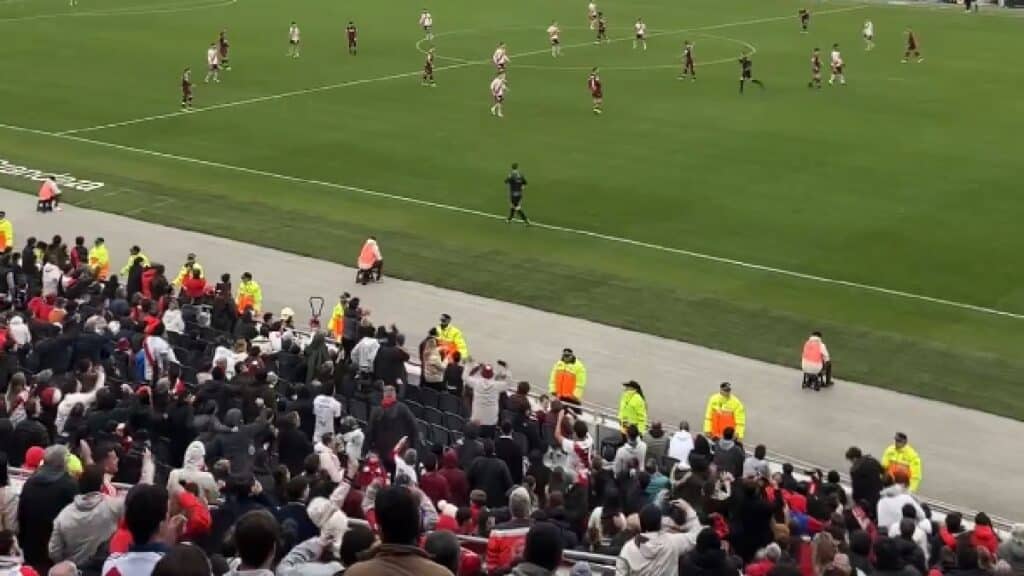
412, 394
439, 435
433, 415
449, 403
453, 421
415, 407
358, 409
456, 436
423, 429
429, 397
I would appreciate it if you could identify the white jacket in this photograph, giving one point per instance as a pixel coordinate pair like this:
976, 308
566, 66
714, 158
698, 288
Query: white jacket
51, 279
680, 446
657, 556
890, 506
174, 322
364, 353
19, 331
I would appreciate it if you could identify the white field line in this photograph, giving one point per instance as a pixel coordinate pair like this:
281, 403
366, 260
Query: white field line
129, 11
552, 227
461, 64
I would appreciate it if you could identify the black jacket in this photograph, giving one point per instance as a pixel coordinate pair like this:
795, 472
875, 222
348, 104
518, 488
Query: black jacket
294, 519
490, 474
293, 445
512, 455
43, 496
866, 481
29, 432
389, 365
388, 425
729, 459
237, 446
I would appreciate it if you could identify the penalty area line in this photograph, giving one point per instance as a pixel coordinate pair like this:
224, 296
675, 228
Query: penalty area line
551, 227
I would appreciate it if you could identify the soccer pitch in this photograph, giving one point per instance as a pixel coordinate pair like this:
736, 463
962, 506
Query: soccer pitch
884, 213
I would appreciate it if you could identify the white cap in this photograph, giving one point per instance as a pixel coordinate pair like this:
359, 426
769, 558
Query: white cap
287, 313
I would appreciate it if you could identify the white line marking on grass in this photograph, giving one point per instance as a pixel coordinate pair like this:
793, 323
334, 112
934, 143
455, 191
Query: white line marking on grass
253, 100
121, 12
553, 227
461, 64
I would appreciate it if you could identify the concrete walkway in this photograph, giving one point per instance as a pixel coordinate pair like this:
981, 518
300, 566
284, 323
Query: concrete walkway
969, 457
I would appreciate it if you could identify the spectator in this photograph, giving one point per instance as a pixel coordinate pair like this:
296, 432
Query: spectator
172, 318
398, 517
455, 476
326, 410
633, 407
365, 352
708, 559
658, 481
389, 363
654, 552
352, 438
389, 422
293, 445
183, 560
29, 432
860, 552
9, 497
43, 496
331, 522
507, 540
194, 472
256, 537
631, 455
11, 560
293, 516
486, 392
893, 498
910, 548
432, 482
145, 516
764, 561
542, 553
453, 371
490, 474
433, 366
983, 535
681, 444
729, 456
238, 444
657, 442
757, 465
88, 522
443, 547
519, 403
312, 557
510, 452
471, 447
865, 479
356, 541
576, 448
65, 569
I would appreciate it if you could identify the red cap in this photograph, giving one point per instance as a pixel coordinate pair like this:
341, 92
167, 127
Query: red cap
34, 457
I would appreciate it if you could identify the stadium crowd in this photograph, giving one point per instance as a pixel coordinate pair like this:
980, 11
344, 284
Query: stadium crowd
251, 448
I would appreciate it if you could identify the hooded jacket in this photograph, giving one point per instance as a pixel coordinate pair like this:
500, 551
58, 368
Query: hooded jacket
43, 496
657, 555
397, 560
458, 485
890, 506
729, 457
194, 472
387, 426
302, 561
627, 454
83, 526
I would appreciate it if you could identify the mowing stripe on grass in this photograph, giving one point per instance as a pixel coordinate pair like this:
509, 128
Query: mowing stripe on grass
552, 227
461, 64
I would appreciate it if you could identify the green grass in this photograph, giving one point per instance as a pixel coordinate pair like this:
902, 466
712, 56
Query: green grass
905, 179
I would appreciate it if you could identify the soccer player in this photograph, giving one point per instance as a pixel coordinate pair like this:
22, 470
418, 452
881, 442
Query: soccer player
747, 72
500, 57
294, 37
353, 38
869, 35
428, 69
688, 67
836, 62
186, 89
596, 93
427, 22
213, 64
805, 20
815, 69
222, 46
602, 29
498, 88
556, 45
912, 47
516, 182
641, 34
592, 14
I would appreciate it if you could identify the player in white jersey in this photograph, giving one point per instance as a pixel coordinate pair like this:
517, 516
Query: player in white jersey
640, 39
592, 14
500, 57
427, 23
553, 35
836, 63
294, 38
869, 35
213, 64
498, 88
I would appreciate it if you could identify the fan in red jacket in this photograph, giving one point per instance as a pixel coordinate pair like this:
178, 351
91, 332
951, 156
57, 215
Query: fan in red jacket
984, 535
508, 539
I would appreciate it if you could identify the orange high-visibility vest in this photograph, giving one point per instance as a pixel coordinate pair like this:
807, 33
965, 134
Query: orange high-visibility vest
337, 323
46, 191
813, 353
368, 255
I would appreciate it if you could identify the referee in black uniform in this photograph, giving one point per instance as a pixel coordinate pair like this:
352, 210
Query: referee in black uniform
516, 182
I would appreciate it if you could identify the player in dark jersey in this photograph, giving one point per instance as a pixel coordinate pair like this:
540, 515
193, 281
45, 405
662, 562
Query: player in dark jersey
516, 183
602, 28
222, 47
747, 72
428, 69
688, 66
815, 69
596, 91
912, 48
353, 38
186, 89
805, 20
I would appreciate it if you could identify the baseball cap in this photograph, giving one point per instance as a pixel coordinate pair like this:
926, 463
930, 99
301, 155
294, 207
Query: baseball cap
287, 313
34, 457
725, 387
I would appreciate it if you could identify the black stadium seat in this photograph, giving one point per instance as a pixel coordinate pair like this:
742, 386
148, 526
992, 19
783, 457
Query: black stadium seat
439, 435
429, 397
450, 403
433, 415
359, 409
454, 421
415, 407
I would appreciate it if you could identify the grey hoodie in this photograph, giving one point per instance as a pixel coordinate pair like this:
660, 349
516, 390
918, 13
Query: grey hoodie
83, 526
302, 561
627, 453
